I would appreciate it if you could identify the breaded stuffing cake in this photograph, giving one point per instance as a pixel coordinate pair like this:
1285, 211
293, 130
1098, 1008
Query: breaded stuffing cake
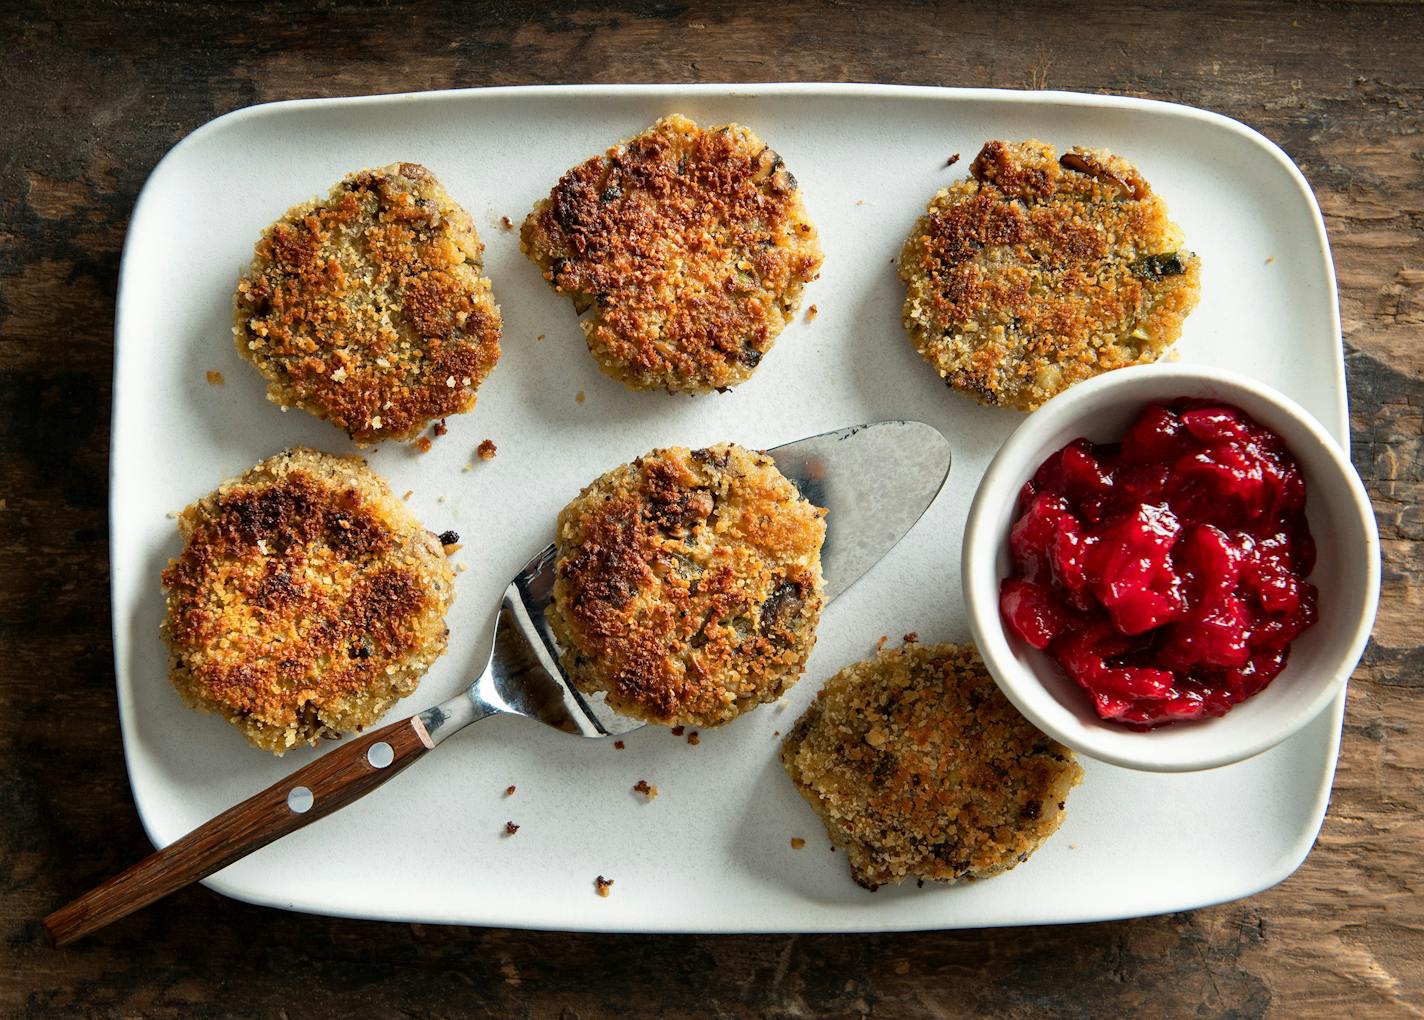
368, 307
1039, 271
307, 600
920, 767
688, 585
688, 249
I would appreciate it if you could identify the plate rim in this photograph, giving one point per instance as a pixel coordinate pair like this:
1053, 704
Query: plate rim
1338, 426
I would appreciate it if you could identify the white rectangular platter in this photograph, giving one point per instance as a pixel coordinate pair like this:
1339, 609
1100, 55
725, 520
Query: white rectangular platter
712, 853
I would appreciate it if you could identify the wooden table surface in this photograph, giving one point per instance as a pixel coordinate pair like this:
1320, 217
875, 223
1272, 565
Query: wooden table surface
92, 98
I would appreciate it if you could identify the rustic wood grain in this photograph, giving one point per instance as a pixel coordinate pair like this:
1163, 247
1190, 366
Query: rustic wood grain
93, 95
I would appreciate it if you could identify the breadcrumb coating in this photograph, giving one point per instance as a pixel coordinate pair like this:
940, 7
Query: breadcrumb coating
1038, 272
368, 308
689, 249
688, 585
307, 600
920, 767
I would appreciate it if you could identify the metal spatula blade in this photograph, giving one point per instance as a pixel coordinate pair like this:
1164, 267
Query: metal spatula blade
875, 481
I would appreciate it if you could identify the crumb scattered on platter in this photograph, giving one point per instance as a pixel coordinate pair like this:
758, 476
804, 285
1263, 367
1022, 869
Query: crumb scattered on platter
601, 886
215, 378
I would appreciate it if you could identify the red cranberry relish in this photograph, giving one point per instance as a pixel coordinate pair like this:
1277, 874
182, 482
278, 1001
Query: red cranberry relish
1166, 573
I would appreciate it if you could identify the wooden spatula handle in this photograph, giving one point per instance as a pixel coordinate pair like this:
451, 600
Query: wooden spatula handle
337, 778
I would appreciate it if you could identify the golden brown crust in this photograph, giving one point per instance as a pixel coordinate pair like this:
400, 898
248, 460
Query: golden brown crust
690, 246
688, 585
919, 766
1039, 272
307, 600
368, 308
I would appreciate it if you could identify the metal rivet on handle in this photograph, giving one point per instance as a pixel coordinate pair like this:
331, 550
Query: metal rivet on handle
380, 754
300, 800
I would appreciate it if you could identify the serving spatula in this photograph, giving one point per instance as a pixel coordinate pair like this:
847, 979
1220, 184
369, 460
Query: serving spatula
875, 480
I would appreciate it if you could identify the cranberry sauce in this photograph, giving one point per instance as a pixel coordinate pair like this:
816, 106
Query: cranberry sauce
1166, 573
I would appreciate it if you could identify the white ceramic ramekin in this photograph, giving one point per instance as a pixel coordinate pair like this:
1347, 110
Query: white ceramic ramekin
1347, 573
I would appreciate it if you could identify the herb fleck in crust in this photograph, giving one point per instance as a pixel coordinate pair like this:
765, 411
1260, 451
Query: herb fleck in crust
306, 601
368, 307
687, 247
920, 767
1038, 272
688, 585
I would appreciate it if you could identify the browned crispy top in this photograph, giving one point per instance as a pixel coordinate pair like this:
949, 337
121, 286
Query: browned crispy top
688, 584
919, 766
691, 247
1038, 272
301, 584
367, 308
